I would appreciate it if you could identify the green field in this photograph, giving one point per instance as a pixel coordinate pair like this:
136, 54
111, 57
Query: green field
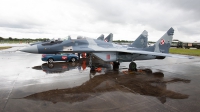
7, 47
192, 52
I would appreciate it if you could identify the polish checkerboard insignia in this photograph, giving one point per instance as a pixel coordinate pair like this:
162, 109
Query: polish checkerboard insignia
162, 42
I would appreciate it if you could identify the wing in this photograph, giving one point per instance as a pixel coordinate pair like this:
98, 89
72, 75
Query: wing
157, 54
97, 49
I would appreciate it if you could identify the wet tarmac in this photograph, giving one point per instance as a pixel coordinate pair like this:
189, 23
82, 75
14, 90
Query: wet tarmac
28, 84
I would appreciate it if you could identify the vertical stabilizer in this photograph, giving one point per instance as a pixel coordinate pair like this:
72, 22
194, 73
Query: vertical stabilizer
109, 38
69, 37
164, 43
101, 37
141, 41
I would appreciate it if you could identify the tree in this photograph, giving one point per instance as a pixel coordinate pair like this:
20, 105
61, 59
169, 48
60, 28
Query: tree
1, 38
10, 38
15, 39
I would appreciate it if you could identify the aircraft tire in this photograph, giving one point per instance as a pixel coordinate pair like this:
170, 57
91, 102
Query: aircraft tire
132, 66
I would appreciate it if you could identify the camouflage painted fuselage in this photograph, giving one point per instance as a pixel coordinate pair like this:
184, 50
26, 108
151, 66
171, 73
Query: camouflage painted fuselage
109, 51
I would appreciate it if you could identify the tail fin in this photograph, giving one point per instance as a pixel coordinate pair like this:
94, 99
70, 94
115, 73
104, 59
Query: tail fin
141, 41
69, 37
101, 37
163, 44
109, 38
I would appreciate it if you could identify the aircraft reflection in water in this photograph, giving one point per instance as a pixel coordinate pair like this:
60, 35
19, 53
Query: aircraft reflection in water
61, 67
143, 82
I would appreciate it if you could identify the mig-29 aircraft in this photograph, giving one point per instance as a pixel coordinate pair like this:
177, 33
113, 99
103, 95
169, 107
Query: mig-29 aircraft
110, 52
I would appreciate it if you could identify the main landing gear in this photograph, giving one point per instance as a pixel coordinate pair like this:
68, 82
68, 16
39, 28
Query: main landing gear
132, 66
116, 65
92, 68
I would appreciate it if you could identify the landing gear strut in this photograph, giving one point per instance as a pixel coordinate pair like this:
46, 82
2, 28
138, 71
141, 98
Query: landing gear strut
90, 60
132, 66
116, 65
92, 68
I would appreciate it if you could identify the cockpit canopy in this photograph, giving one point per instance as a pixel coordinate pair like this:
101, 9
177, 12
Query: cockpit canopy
57, 41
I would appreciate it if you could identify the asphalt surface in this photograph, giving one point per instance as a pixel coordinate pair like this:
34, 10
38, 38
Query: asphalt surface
28, 84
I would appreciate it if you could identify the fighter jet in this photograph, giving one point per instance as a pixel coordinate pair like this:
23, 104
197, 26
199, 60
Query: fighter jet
110, 52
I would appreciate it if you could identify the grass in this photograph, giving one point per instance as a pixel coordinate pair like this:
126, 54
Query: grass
192, 52
11, 42
7, 47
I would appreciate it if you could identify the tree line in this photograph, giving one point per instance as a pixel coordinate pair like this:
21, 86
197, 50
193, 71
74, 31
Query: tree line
119, 41
10, 39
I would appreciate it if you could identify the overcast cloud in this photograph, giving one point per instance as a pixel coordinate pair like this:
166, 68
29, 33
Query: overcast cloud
126, 19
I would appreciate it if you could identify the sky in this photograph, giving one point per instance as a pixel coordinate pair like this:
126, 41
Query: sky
126, 19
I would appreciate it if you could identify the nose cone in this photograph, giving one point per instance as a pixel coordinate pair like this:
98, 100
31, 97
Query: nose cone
30, 49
